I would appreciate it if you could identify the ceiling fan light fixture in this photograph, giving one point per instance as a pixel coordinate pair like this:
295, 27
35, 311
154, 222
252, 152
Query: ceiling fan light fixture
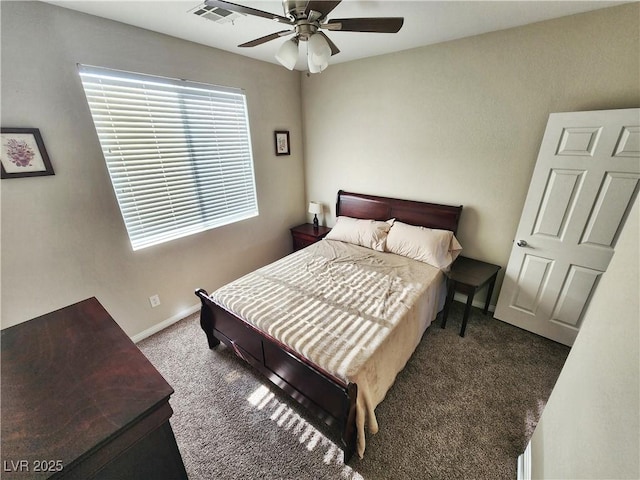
288, 54
318, 53
318, 50
314, 67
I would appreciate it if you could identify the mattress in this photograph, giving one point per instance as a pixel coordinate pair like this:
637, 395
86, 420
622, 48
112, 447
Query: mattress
356, 313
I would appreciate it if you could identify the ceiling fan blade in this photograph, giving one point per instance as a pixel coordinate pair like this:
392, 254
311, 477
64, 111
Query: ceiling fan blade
324, 7
267, 38
332, 45
375, 25
247, 11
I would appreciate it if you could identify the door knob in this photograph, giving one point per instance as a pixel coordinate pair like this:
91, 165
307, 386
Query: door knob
522, 243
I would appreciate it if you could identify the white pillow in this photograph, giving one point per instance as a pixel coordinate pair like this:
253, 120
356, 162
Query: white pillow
435, 247
367, 233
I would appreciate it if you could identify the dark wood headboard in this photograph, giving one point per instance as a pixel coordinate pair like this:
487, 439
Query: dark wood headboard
431, 215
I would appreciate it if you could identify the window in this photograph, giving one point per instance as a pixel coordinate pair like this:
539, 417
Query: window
178, 152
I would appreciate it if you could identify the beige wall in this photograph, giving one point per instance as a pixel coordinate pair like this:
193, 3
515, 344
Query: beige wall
63, 238
590, 427
461, 122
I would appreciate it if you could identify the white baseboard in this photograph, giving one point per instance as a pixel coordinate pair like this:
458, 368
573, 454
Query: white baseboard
459, 297
166, 323
524, 464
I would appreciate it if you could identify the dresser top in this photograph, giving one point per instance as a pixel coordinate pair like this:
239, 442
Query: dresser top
71, 379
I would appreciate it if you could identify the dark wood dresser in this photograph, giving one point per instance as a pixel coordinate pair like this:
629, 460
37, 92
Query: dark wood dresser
80, 401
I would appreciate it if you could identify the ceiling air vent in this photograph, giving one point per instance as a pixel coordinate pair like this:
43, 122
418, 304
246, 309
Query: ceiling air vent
215, 14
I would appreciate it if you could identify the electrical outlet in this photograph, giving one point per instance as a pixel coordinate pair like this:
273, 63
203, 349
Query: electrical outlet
154, 300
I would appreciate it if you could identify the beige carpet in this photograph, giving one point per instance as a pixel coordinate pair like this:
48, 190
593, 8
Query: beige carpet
463, 408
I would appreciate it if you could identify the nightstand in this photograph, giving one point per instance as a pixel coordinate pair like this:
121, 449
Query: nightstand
467, 276
305, 234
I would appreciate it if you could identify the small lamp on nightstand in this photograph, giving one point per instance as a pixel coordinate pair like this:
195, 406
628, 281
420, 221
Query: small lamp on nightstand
315, 208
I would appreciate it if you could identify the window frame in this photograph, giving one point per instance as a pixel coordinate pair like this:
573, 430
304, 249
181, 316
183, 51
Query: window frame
178, 152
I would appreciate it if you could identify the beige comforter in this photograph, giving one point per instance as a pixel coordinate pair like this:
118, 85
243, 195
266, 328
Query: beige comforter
355, 312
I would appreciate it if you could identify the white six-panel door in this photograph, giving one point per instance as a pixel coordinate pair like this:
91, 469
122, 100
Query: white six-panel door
586, 175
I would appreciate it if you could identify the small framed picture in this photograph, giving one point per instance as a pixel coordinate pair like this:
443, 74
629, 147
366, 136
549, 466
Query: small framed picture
282, 143
22, 153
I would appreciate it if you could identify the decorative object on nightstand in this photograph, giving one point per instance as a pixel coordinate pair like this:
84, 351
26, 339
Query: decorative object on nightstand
467, 276
306, 234
315, 208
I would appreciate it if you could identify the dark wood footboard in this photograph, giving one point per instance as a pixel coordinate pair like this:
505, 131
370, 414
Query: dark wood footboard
319, 392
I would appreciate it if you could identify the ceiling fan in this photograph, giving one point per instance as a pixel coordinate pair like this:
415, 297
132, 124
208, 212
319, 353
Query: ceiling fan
308, 17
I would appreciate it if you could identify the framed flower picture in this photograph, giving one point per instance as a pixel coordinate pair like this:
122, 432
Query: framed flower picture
282, 143
22, 153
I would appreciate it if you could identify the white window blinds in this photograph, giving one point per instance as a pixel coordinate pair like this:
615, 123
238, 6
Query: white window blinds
178, 152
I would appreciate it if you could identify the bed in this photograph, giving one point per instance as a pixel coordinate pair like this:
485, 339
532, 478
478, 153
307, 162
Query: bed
332, 324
